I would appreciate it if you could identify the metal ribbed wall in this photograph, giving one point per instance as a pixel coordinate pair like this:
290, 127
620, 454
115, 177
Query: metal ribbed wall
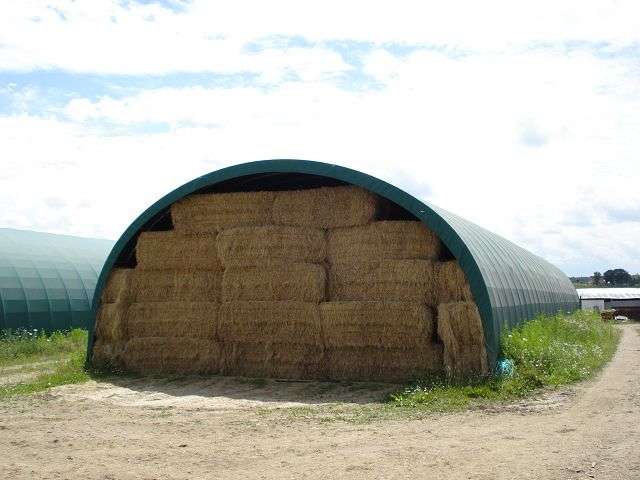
510, 284
47, 281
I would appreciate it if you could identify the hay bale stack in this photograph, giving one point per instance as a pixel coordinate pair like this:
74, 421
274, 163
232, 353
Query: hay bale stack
176, 285
271, 244
275, 360
400, 325
269, 322
173, 319
111, 325
171, 355
326, 207
173, 250
304, 282
451, 284
216, 211
385, 280
382, 241
117, 286
383, 365
460, 329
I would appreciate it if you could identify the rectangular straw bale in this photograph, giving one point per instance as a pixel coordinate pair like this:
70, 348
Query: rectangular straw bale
173, 319
400, 325
178, 285
143, 354
451, 284
190, 356
303, 282
271, 244
172, 250
383, 240
171, 355
117, 287
107, 354
264, 322
385, 280
213, 212
460, 329
111, 325
275, 360
383, 365
326, 207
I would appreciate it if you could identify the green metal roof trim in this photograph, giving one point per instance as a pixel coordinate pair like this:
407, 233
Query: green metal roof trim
510, 284
47, 281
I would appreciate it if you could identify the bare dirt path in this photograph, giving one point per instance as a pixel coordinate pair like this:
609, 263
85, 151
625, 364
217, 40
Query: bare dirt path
222, 428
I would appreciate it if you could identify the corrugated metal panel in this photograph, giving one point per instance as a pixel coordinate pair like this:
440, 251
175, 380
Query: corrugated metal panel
510, 284
47, 281
609, 293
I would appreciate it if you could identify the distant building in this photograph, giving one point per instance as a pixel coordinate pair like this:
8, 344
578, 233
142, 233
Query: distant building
626, 301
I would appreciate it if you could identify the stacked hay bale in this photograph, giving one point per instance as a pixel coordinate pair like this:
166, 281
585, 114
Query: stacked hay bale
459, 323
175, 289
300, 284
111, 332
379, 324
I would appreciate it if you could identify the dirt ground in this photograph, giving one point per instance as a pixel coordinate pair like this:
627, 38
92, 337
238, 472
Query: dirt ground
227, 428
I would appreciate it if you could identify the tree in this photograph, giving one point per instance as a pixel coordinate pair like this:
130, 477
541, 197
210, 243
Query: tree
617, 277
597, 277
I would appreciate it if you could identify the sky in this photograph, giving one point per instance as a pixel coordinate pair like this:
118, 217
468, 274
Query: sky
523, 117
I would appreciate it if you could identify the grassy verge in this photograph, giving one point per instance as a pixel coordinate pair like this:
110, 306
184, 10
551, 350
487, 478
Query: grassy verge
547, 352
28, 346
44, 360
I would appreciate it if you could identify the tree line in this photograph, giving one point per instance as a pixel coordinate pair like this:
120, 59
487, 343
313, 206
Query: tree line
616, 277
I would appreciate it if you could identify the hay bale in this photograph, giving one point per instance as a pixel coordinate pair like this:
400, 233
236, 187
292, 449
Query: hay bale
265, 322
173, 319
143, 354
383, 240
107, 354
383, 365
172, 250
178, 285
111, 325
304, 282
398, 325
451, 284
171, 355
117, 286
275, 360
190, 356
271, 244
326, 207
214, 212
460, 329
385, 280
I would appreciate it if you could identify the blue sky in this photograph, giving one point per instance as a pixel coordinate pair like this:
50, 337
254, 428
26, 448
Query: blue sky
522, 118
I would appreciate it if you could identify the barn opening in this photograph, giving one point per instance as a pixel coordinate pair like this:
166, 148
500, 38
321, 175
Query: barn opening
288, 275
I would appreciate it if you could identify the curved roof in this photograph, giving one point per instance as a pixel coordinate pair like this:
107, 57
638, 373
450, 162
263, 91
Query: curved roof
47, 281
609, 293
510, 284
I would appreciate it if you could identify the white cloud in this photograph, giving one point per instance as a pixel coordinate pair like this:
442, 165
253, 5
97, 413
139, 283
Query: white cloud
131, 38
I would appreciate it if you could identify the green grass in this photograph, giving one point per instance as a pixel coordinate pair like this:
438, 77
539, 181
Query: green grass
45, 360
71, 370
546, 352
32, 346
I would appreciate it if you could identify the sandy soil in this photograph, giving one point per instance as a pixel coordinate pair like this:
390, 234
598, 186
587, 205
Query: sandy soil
225, 428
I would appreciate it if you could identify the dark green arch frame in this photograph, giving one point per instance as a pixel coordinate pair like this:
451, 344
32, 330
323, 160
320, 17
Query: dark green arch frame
510, 285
